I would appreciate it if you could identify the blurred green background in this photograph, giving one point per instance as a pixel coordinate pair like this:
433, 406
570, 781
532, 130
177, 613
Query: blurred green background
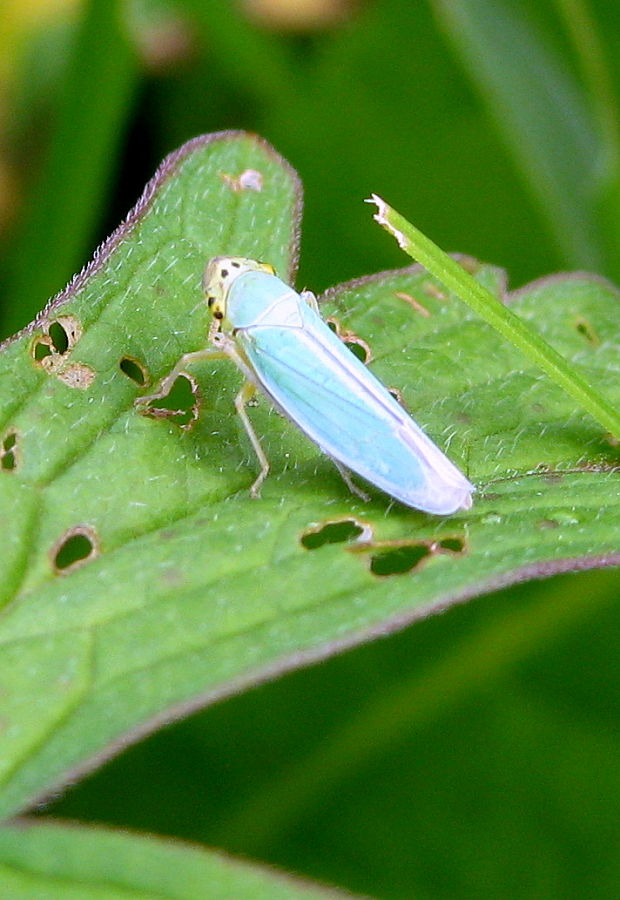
476, 753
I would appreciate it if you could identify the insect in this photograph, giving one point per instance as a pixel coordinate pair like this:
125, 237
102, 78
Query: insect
283, 347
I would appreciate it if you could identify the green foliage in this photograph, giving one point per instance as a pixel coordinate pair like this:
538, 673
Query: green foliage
153, 581
92, 864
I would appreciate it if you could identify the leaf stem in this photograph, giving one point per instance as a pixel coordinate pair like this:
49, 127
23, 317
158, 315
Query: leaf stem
456, 279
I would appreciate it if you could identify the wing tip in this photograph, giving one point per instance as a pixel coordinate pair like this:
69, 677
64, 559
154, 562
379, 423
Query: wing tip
447, 502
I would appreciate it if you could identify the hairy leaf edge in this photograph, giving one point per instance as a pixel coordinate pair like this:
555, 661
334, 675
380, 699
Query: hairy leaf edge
315, 655
165, 170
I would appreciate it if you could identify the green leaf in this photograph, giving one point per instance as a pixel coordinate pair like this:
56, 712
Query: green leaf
60, 861
140, 578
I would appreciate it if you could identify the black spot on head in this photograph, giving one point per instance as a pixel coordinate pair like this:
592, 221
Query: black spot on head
218, 314
210, 301
235, 265
224, 273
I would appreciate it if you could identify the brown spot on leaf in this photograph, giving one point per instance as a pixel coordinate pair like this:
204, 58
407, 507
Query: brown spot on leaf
413, 303
248, 180
585, 329
547, 524
77, 375
433, 291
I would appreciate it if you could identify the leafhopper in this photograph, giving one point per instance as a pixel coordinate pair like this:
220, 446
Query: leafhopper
283, 347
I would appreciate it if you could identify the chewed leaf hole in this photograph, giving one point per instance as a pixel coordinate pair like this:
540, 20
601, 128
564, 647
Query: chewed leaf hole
454, 544
399, 560
396, 394
360, 349
333, 532
8, 451
59, 337
133, 368
76, 546
583, 327
180, 405
41, 348
57, 340
356, 344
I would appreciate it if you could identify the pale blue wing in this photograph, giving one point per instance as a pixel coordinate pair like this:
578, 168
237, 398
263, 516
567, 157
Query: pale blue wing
334, 399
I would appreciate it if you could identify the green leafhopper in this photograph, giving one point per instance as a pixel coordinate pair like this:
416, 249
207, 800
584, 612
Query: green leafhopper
283, 347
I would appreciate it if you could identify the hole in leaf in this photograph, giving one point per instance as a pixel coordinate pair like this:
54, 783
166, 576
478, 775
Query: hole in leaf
56, 342
454, 544
74, 548
583, 327
396, 394
8, 459
134, 370
41, 349
356, 345
180, 405
399, 560
359, 348
336, 532
59, 337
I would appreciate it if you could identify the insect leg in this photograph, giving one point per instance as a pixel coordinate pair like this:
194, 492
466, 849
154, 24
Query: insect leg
246, 393
344, 474
186, 360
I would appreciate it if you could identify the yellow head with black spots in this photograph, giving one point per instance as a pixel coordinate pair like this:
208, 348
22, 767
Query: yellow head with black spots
221, 272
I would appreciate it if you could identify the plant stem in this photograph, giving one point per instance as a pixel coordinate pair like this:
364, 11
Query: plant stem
456, 279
